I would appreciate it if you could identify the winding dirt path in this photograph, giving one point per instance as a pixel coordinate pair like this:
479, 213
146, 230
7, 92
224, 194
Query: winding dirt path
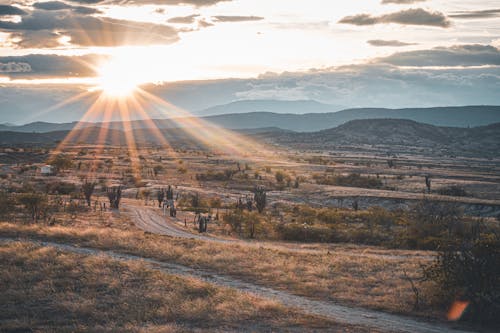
341, 314
148, 219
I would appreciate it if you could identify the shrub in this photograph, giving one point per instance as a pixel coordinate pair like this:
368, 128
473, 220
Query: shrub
305, 233
454, 191
469, 271
62, 188
351, 180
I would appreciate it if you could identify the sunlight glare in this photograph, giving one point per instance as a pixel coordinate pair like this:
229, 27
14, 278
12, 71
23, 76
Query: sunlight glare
116, 79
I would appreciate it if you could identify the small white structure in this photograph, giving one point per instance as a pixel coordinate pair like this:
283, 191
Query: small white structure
47, 170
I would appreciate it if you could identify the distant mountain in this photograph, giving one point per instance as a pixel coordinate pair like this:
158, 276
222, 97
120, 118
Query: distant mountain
269, 105
42, 127
390, 135
463, 116
402, 133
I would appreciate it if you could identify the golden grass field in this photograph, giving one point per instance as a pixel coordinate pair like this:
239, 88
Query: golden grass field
44, 289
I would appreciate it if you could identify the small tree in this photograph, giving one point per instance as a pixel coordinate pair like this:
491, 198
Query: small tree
428, 183
157, 169
280, 176
88, 190
61, 162
6, 204
114, 196
33, 203
160, 196
260, 199
469, 271
170, 193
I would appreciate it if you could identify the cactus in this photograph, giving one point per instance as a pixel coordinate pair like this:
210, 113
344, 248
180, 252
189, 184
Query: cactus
260, 198
114, 196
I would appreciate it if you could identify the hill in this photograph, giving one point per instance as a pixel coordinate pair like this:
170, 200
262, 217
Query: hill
386, 134
401, 134
465, 116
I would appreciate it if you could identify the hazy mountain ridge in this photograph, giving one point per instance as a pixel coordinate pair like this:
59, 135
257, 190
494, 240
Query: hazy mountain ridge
309, 122
482, 140
270, 105
391, 133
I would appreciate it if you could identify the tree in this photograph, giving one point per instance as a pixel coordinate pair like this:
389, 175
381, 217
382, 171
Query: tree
61, 162
114, 196
160, 196
280, 176
260, 199
6, 204
33, 203
428, 183
157, 169
88, 190
170, 193
469, 271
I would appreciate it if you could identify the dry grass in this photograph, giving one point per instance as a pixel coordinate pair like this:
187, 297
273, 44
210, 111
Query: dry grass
340, 276
44, 289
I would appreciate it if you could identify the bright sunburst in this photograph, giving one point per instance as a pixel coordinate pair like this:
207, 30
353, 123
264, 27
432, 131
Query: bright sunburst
117, 80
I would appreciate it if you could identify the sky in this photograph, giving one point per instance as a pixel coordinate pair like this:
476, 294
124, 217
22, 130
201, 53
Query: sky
200, 53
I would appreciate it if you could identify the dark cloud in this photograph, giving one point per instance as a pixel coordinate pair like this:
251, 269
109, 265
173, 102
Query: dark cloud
460, 55
372, 85
11, 10
225, 18
14, 67
413, 16
401, 2
44, 28
184, 19
58, 5
395, 43
36, 66
489, 13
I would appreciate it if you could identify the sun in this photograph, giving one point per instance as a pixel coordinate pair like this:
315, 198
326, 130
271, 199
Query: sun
116, 80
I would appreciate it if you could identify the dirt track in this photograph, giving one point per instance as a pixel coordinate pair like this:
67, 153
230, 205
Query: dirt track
338, 313
150, 220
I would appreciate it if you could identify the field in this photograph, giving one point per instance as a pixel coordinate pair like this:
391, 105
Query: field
347, 227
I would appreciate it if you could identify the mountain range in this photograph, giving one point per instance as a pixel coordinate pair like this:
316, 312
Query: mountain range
463, 116
387, 134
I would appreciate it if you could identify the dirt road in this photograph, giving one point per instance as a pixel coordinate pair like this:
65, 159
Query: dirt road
342, 314
151, 220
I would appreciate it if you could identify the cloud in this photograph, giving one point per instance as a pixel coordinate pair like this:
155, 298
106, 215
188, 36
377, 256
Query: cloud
413, 16
44, 28
225, 18
489, 13
14, 67
184, 19
197, 3
381, 85
459, 55
58, 5
6, 10
395, 43
401, 2
36, 66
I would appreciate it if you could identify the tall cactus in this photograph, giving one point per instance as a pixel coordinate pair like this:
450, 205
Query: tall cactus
260, 198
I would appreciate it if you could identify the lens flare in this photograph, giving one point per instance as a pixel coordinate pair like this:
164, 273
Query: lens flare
457, 309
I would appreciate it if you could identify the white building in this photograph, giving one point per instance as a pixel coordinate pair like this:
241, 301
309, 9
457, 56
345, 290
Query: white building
47, 170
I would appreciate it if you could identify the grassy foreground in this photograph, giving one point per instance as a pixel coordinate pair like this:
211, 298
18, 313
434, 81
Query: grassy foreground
45, 289
370, 282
